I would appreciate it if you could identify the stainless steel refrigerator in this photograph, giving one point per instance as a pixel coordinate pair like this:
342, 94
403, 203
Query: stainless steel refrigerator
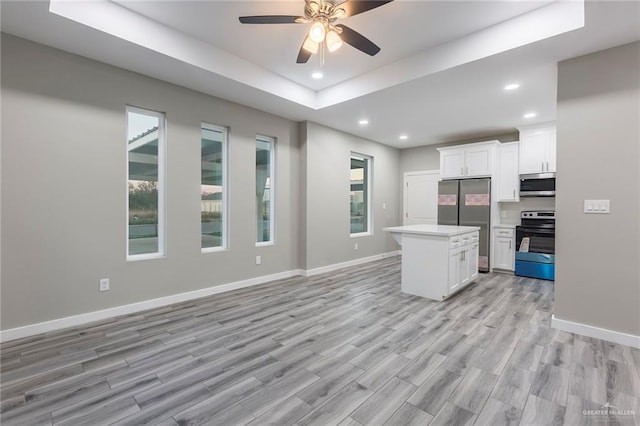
467, 202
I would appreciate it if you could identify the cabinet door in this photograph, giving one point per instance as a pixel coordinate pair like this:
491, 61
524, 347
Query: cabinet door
503, 252
551, 152
473, 258
508, 174
455, 257
452, 163
533, 149
478, 161
464, 273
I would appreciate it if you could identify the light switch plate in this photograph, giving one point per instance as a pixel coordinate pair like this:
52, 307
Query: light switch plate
596, 206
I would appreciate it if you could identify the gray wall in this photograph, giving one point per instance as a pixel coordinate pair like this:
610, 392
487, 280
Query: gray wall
598, 124
326, 201
64, 187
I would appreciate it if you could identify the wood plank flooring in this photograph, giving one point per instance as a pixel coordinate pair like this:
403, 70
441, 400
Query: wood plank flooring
343, 348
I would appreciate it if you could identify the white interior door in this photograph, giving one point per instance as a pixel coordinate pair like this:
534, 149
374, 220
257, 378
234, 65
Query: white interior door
421, 197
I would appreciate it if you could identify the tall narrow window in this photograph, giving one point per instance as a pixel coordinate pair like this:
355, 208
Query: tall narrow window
359, 195
213, 192
265, 189
145, 181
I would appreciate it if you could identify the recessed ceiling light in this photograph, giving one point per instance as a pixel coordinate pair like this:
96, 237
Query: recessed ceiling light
404, 137
317, 75
512, 86
363, 122
530, 115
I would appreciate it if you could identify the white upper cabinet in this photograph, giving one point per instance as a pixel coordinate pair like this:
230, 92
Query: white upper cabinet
538, 149
467, 161
508, 177
479, 160
551, 153
452, 163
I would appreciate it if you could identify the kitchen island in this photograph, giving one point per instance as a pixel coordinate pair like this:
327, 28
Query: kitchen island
437, 260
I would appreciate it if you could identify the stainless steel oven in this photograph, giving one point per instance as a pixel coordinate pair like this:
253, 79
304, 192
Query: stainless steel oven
536, 245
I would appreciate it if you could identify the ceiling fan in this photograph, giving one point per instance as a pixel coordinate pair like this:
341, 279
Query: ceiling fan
322, 14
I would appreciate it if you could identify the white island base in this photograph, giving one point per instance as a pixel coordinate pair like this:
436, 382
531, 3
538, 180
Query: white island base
437, 260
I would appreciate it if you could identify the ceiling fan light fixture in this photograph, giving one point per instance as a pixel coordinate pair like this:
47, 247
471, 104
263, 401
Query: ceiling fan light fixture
317, 32
334, 42
338, 13
310, 46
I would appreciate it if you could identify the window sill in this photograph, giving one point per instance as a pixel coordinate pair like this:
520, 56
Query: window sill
265, 244
361, 234
213, 250
151, 256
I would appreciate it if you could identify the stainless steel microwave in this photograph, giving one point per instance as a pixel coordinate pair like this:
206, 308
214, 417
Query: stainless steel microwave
538, 185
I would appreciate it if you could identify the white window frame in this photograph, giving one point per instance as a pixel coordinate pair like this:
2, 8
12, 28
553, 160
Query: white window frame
272, 193
369, 192
162, 146
225, 188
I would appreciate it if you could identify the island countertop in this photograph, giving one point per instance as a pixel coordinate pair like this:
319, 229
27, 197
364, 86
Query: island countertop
438, 230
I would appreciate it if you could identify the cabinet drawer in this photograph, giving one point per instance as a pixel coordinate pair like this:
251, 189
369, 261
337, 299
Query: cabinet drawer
470, 238
455, 241
504, 232
463, 240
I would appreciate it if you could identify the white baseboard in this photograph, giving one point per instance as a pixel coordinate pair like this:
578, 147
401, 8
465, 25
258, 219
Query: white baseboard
81, 319
596, 332
355, 262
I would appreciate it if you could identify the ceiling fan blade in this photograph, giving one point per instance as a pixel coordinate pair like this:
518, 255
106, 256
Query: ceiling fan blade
358, 41
269, 19
354, 7
303, 55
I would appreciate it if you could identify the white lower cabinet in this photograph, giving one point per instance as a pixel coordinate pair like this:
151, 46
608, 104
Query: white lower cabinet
455, 257
473, 260
437, 260
463, 266
503, 248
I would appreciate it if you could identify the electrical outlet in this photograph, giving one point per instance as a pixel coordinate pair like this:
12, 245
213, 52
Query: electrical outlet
384, 206
503, 214
258, 260
104, 284
355, 247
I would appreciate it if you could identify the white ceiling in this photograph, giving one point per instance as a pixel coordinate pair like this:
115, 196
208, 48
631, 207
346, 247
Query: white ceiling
438, 77
275, 47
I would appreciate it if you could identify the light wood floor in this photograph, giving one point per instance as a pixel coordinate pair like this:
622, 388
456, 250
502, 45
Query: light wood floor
346, 347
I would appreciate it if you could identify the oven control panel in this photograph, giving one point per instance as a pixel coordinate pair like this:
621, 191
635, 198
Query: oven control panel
538, 214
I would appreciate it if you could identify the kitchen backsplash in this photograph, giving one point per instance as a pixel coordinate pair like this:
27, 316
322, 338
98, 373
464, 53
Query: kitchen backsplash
510, 212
